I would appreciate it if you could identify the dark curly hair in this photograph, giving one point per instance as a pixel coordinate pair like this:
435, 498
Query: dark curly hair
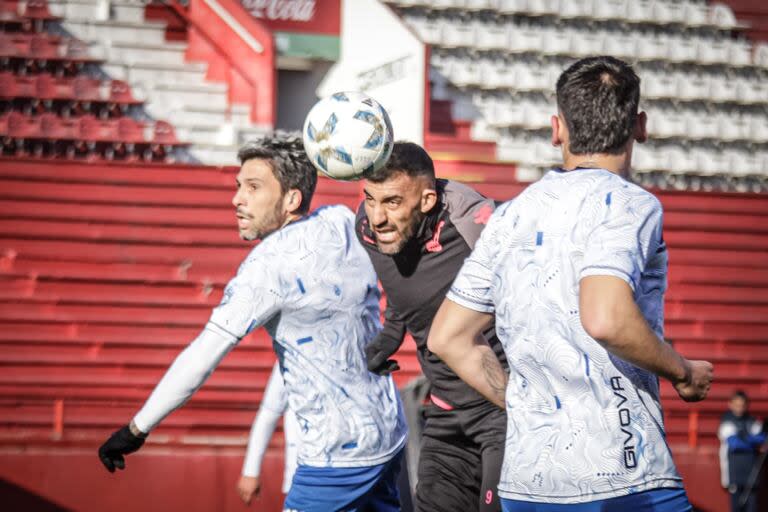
290, 164
598, 97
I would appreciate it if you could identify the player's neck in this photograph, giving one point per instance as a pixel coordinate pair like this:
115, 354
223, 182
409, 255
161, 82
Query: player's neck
617, 164
291, 217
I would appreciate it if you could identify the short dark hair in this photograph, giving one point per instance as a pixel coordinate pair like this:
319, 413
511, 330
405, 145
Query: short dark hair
408, 158
598, 97
290, 163
740, 394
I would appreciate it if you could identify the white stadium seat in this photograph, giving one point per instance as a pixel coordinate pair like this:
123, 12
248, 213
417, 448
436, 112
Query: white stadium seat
683, 48
722, 88
588, 43
558, 41
610, 9
696, 14
700, 124
722, 16
652, 46
459, 34
581, 9
543, 7
692, 86
525, 39
668, 12
640, 11
429, 30
512, 6
760, 57
491, 36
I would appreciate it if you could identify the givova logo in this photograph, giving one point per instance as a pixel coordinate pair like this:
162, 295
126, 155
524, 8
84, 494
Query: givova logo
625, 419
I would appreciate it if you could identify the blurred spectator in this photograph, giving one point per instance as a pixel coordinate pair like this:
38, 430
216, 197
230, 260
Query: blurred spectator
741, 438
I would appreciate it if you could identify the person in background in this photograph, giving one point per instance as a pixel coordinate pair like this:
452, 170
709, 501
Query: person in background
272, 407
741, 438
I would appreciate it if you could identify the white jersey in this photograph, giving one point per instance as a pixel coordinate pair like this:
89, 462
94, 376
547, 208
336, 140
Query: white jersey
583, 425
313, 288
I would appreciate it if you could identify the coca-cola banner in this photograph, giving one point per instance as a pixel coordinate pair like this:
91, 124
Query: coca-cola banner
310, 16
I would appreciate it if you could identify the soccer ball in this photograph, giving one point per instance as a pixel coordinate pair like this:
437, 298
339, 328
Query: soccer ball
348, 135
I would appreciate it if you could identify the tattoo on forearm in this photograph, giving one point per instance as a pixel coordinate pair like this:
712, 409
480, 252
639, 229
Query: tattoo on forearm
494, 375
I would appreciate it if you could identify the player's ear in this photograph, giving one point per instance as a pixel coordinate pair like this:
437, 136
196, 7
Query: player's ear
292, 200
641, 130
558, 125
428, 199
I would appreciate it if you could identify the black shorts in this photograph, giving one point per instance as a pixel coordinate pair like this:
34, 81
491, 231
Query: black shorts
460, 459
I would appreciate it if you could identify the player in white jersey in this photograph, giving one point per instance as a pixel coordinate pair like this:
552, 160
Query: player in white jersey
574, 271
313, 288
273, 405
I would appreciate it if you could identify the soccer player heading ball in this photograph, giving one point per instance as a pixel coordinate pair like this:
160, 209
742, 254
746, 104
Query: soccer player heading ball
574, 272
314, 290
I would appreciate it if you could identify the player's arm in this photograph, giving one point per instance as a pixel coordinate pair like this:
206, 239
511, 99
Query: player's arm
618, 251
610, 315
272, 407
386, 342
456, 334
249, 300
187, 373
456, 337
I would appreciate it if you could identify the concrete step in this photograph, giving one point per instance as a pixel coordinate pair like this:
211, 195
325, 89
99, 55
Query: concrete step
167, 53
148, 74
212, 154
180, 95
249, 133
144, 32
98, 10
220, 135
190, 115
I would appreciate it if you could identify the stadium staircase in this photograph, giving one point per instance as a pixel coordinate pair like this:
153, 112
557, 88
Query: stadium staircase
53, 102
92, 79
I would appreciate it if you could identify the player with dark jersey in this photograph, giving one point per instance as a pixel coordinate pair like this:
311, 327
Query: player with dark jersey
418, 230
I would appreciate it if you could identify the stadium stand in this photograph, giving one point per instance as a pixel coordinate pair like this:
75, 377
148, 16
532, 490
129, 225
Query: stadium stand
53, 104
706, 88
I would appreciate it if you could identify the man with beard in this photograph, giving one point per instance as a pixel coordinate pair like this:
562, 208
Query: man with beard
418, 230
314, 290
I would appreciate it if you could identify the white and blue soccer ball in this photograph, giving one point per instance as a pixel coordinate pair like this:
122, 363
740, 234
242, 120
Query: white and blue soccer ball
348, 135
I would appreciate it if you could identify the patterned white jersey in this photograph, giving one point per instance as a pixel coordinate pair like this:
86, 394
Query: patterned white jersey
583, 425
313, 288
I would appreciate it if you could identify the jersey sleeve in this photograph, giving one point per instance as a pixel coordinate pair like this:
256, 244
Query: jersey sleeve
472, 286
251, 298
392, 333
469, 211
271, 408
627, 236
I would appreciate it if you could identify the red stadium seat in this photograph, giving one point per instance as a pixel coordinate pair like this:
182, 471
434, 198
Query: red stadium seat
23, 127
131, 131
56, 128
164, 133
98, 130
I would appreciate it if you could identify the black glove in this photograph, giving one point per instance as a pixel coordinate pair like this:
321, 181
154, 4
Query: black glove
120, 443
377, 354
